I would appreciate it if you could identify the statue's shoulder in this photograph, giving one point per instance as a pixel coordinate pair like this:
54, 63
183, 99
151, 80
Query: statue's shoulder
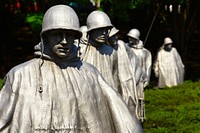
89, 67
26, 65
121, 42
174, 49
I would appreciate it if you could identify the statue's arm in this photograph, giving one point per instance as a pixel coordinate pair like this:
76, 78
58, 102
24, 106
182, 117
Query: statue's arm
124, 121
7, 102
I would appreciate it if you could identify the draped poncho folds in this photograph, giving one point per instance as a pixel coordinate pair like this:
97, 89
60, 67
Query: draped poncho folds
145, 59
73, 98
169, 68
104, 58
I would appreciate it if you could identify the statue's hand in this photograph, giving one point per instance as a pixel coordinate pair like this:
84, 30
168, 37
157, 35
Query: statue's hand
146, 83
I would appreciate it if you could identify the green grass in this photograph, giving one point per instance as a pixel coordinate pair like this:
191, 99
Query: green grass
173, 110
1, 82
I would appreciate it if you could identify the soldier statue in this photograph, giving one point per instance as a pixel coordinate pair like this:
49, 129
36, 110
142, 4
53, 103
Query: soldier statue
168, 66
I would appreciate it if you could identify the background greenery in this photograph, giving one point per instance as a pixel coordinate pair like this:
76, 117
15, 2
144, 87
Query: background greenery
1, 82
172, 110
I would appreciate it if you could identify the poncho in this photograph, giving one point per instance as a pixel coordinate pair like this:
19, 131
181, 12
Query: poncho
168, 67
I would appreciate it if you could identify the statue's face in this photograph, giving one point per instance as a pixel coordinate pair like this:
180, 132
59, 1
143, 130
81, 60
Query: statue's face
99, 35
113, 40
60, 42
133, 41
168, 47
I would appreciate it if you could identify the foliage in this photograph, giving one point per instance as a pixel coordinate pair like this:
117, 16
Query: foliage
137, 3
35, 21
1, 82
120, 9
174, 109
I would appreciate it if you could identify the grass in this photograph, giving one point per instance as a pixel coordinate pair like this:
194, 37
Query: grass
1, 82
172, 110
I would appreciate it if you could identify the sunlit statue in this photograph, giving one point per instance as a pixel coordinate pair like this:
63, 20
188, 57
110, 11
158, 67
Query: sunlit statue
168, 66
127, 65
84, 38
57, 92
97, 52
145, 60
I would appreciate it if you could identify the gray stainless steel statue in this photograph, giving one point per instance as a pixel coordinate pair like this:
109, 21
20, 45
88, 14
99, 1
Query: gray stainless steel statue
57, 92
168, 66
128, 69
97, 52
144, 55
145, 60
133, 37
84, 38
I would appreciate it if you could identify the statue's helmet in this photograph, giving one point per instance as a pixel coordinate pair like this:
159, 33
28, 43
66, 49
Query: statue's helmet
98, 19
83, 29
134, 33
167, 40
61, 17
113, 32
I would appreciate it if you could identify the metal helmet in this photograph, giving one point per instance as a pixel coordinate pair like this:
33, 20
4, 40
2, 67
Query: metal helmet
134, 33
61, 17
167, 40
98, 19
113, 31
83, 29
